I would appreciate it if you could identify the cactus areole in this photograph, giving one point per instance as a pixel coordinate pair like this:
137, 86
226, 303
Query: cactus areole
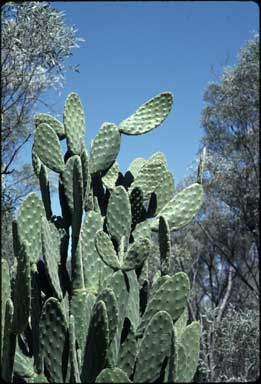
77, 305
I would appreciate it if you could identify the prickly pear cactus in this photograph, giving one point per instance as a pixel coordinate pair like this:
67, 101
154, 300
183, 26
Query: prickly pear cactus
78, 306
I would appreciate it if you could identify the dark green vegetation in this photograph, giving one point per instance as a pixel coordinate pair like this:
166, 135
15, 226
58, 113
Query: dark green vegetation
220, 251
99, 320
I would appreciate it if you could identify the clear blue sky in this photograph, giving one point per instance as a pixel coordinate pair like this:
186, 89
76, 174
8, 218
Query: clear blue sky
135, 50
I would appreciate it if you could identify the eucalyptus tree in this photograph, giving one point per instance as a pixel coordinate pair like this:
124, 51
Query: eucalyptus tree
36, 42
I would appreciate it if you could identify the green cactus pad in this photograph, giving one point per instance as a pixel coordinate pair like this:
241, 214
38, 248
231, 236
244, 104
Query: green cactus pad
170, 297
170, 369
106, 250
24, 369
36, 162
79, 309
154, 348
5, 294
181, 210
56, 125
36, 307
90, 302
23, 365
50, 249
22, 291
29, 224
48, 148
165, 190
81, 306
108, 297
128, 353
112, 375
67, 180
119, 214
97, 344
164, 245
90, 258
158, 281
45, 191
149, 116
74, 123
136, 165
77, 197
105, 148
75, 374
180, 374
136, 254
158, 156
85, 172
111, 176
9, 342
56, 238
118, 284
77, 277
54, 340
181, 323
190, 340
143, 274
38, 378
133, 308
142, 230
149, 176
201, 165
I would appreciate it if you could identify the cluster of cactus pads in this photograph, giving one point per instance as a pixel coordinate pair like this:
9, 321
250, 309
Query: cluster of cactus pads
77, 305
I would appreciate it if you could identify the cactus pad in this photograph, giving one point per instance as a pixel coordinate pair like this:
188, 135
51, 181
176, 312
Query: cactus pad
106, 250
119, 214
54, 340
22, 292
97, 344
154, 348
112, 375
56, 125
190, 339
29, 224
50, 248
136, 254
170, 297
105, 147
183, 207
74, 123
108, 297
48, 148
111, 176
149, 116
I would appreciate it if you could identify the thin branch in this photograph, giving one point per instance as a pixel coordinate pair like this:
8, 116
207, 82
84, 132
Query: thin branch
5, 170
210, 237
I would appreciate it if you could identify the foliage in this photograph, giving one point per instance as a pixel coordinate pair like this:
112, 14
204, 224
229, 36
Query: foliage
35, 43
220, 251
233, 344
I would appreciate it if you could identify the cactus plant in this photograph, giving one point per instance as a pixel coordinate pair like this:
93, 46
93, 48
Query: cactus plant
96, 321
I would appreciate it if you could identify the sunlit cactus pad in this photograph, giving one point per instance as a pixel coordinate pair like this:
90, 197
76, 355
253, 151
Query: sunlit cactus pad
148, 116
79, 304
47, 147
56, 125
74, 123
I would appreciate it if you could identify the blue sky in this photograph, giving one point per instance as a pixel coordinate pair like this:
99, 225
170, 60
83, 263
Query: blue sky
135, 50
